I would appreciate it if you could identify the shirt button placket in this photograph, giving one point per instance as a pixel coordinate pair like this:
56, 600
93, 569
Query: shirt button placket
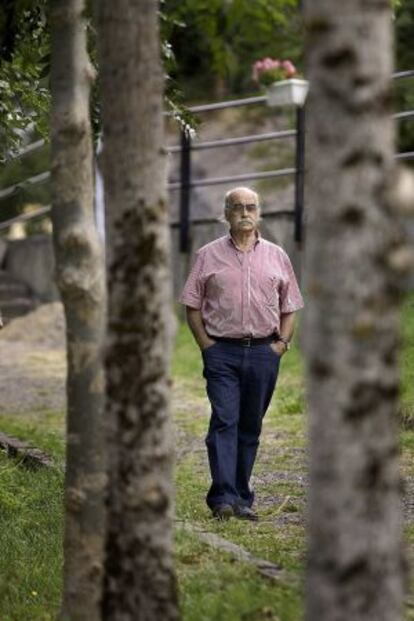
244, 294
249, 275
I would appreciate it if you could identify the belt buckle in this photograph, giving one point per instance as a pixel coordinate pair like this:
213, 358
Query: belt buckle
247, 341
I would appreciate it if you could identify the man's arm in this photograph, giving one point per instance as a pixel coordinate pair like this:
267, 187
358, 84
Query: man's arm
196, 325
287, 326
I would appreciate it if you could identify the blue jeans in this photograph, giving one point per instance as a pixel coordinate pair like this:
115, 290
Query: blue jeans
240, 384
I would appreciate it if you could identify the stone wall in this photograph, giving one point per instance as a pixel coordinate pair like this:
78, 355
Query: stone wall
31, 261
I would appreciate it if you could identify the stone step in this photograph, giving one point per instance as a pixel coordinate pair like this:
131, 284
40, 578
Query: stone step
17, 307
15, 297
11, 290
5, 277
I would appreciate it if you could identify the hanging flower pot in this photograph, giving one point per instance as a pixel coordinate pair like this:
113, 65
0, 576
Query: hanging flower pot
287, 93
281, 81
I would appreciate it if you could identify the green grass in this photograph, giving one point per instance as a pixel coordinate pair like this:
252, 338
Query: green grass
30, 542
213, 586
186, 363
407, 362
44, 430
236, 591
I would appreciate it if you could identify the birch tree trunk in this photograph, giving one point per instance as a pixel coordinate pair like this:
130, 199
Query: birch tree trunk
139, 578
351, 325
80, 278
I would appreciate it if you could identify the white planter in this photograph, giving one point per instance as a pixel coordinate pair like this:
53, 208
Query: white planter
287, 93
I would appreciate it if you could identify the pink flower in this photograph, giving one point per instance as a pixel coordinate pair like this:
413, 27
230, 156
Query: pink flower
269, 63
268, 70
289, 67
257, 69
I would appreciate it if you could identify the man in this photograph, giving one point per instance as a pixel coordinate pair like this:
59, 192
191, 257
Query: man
240, 297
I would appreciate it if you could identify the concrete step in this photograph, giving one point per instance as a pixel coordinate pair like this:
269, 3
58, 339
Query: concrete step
5, 277
11, 290
15, 297
17, 307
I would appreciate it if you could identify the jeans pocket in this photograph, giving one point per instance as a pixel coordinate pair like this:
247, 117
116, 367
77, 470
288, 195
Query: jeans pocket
209, 348
273, 351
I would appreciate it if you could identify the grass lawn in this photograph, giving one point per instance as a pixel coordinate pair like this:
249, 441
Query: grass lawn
30, 542
407, 362
213, 585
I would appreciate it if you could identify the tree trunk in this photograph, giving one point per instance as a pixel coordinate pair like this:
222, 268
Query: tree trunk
351, 325
139, 578
80, 278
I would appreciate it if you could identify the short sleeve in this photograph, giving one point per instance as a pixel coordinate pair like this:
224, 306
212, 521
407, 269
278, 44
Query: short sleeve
193, 292
291, 299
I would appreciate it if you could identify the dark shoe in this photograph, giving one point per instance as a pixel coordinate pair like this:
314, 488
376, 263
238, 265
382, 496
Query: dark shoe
245, 513
223, 512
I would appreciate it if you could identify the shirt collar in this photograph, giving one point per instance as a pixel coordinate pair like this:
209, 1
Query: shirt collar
230, 240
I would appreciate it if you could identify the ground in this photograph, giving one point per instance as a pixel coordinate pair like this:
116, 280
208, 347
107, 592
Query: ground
32, 362
217, 581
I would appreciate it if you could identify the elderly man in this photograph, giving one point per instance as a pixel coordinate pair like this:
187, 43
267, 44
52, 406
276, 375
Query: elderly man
241, 297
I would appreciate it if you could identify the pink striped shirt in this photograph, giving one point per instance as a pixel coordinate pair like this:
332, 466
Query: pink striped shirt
242, 293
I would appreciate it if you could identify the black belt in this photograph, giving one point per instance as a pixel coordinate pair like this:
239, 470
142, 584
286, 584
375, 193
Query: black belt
246, 341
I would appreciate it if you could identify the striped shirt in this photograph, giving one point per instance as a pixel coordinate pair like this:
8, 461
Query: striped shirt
242, 293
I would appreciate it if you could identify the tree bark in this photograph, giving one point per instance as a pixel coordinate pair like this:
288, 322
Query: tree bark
139, 577
80, 278
355, 568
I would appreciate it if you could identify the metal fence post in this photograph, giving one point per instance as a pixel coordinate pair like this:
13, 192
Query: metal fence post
300, 174
299, 165
185, 189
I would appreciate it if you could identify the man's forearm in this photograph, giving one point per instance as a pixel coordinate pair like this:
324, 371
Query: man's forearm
287, 325
196, 326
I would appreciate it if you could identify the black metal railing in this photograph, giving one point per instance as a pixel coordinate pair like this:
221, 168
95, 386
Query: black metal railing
186, 182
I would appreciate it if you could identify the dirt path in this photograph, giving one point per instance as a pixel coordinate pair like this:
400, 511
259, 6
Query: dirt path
31, 380
33, 362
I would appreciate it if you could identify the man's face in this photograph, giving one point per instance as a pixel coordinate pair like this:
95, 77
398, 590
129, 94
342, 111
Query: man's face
243, 215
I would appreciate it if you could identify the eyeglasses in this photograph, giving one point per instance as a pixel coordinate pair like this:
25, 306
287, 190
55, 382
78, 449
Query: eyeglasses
239, 208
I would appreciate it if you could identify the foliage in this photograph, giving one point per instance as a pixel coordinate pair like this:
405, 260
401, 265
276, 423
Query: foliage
208, 46
215, 42
174, 96
23, 55
25, 69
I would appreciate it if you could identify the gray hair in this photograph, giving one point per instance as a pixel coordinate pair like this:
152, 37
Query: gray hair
228, 202
228, 195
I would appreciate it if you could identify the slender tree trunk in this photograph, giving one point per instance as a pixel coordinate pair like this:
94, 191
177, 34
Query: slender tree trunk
80, 278
351, 326
139, 578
